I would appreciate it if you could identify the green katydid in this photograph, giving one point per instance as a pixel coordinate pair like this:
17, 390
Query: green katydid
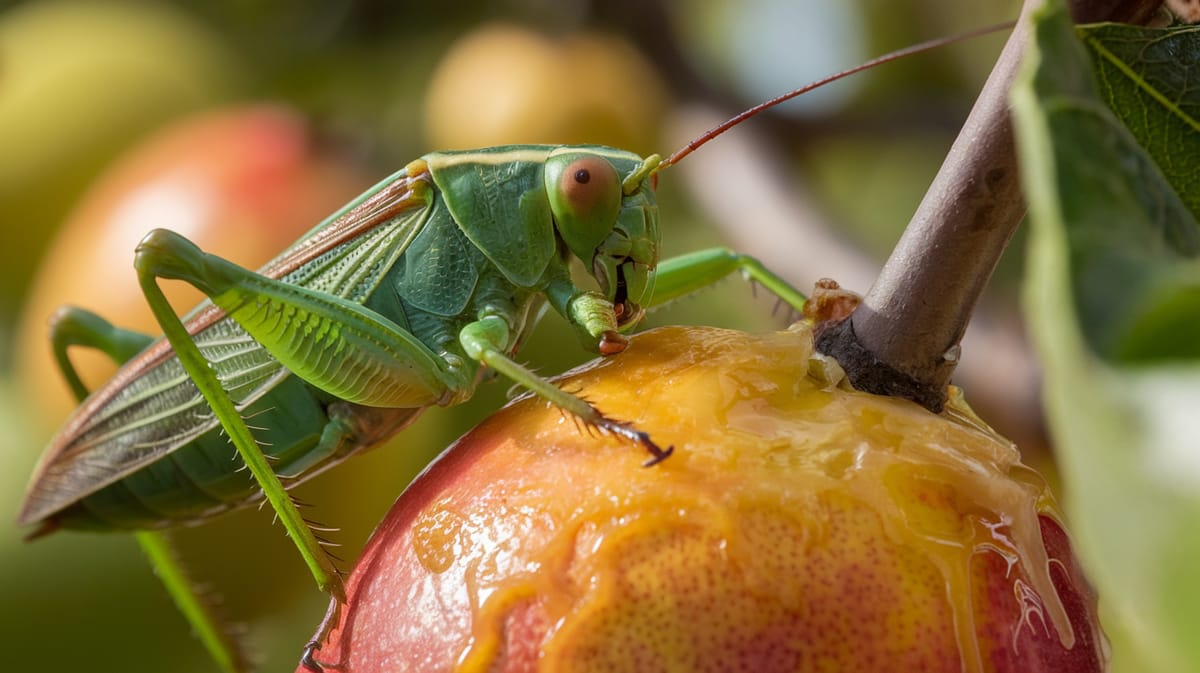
391, 305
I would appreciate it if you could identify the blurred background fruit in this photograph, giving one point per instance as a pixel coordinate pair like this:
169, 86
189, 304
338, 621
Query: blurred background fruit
81, 81
358, 89
543, 90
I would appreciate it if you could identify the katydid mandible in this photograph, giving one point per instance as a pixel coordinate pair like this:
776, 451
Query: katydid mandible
392, 305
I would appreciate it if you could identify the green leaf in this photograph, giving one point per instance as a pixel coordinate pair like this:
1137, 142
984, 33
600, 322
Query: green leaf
1114, 307
1151, 78
1136, 279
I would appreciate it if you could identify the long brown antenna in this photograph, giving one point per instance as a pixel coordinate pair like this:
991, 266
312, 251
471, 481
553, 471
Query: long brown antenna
892, 56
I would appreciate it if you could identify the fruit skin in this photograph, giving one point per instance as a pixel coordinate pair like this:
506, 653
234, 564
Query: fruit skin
243, 182
800, 526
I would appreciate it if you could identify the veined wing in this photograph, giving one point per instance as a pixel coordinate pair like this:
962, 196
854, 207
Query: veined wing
151, 407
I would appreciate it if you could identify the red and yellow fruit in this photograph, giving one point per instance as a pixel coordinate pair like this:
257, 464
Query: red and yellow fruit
800, 526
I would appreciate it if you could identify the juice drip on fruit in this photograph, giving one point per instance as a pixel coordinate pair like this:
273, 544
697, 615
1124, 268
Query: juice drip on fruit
957, 504
809, 520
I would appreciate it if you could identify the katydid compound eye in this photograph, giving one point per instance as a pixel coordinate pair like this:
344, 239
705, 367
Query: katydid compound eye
590, 183
585, 197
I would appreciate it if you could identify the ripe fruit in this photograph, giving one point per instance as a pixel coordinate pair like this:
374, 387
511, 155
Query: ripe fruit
800, 526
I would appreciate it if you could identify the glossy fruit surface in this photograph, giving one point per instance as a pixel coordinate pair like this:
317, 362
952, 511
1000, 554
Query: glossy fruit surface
800, 526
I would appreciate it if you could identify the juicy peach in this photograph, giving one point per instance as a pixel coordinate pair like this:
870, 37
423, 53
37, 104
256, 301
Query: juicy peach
799, 526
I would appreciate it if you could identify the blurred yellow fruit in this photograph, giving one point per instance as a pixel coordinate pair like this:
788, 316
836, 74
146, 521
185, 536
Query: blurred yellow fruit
503, 84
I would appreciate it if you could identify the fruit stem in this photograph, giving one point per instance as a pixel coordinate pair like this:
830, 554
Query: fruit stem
903, 340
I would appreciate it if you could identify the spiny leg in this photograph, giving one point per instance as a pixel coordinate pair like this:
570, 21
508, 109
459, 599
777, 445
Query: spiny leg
71, 326
484, 341
151, 262
340, 346
332, 343
683, 275
222, 645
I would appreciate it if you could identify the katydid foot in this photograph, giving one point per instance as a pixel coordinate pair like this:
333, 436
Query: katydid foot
309, 658
639, 437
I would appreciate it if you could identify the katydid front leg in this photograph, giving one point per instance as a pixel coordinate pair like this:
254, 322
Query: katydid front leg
72, 326
483, 340
685, 274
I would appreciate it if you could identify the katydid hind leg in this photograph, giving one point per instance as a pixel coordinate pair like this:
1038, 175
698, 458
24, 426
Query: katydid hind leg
680, 276
377, 363
150, 266
217, 636
71, 326
485, 339
413, 375
309, 659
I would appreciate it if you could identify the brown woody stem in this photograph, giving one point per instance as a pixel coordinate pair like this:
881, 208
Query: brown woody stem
903, 339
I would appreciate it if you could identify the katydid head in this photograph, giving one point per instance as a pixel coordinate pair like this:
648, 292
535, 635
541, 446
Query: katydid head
603, 206
605, 213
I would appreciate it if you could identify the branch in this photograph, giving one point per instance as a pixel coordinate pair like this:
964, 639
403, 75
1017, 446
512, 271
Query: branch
903, 340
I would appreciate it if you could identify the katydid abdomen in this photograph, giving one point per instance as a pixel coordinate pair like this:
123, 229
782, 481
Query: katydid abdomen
203, 477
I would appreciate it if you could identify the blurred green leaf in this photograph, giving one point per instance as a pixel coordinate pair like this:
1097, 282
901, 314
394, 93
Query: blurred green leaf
1113, 298
1136, 279
1148, 77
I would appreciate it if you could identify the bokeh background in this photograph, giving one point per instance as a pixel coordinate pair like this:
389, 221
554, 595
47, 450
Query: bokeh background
242, 124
